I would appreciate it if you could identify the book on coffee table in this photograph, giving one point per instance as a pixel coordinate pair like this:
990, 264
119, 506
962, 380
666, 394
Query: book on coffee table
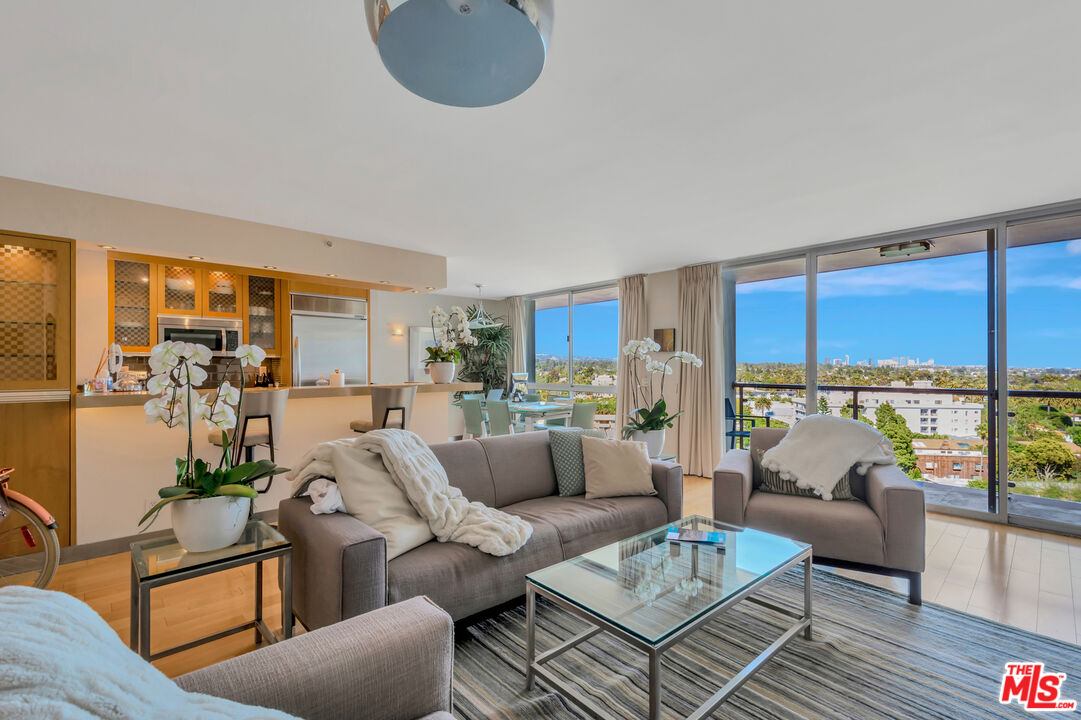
702, 537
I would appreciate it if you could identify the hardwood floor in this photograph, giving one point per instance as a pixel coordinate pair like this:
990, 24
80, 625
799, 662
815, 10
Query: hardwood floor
1019, 577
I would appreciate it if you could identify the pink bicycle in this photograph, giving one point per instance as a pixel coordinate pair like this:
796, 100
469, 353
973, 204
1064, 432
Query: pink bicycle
29, 547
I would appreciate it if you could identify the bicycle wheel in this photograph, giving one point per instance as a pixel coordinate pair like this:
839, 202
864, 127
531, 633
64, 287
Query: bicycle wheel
29, 551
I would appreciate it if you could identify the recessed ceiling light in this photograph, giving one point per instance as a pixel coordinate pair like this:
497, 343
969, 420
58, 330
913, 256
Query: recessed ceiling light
195, 257
384, 282
429, 287
270, 267
415, 292
107, 247
331, 275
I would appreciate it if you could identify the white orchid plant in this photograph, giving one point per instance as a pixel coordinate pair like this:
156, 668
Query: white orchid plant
651, 411
451, 330
177, 372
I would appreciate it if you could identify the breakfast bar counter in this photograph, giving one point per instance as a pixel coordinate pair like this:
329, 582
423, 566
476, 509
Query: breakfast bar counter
121, 460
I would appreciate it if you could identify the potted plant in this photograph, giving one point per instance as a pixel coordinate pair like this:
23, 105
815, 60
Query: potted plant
210, 504
485, 361
650, 418
450, 330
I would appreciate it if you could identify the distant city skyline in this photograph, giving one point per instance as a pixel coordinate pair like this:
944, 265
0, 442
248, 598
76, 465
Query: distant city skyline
935, 306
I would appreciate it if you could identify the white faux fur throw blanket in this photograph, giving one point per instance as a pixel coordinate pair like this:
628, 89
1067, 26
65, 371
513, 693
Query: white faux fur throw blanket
820, 449
61, 661
414, 468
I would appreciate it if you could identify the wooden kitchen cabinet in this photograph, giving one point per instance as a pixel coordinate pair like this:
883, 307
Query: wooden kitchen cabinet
133, 320
221, 293
179, 290
262, 321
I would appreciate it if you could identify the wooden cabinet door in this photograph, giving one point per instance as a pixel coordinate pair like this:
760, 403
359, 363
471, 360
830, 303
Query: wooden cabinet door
133, 321
36, 441
222, 293
263, 319
35, 313
179, 290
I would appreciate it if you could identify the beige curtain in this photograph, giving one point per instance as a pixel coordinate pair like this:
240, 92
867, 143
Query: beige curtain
517, 333
700, 427
632, 326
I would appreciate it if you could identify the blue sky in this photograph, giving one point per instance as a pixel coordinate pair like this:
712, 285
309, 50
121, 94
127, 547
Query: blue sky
932, 308
596, 330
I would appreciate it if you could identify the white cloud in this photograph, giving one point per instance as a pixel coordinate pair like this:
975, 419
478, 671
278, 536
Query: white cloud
1074, 247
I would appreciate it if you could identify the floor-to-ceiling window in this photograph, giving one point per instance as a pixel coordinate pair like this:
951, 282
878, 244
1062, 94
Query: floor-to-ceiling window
770, 347
961, 345
1043, 428
576, 347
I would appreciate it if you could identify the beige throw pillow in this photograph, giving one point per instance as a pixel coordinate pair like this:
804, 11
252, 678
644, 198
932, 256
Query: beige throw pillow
616, 467
370, 495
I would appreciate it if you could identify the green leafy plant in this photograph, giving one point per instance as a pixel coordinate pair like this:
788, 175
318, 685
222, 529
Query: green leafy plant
652, 411
177, 372
437, 354
485, 361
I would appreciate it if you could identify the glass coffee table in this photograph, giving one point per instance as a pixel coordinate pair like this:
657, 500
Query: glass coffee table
162, 561
653, 593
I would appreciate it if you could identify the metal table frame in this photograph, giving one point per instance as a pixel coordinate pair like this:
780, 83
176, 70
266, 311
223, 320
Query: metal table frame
140, 600
534, 663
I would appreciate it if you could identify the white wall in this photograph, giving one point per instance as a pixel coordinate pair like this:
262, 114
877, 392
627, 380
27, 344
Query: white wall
390, 353
159, 230
91, 310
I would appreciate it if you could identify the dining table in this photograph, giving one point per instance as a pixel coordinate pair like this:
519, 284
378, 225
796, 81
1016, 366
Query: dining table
531, 411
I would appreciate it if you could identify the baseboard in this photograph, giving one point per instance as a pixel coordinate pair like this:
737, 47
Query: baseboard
89, 551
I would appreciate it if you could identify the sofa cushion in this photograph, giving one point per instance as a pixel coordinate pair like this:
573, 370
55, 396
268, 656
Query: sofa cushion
467, 469
615, 468
771, 481
463, 580
521, 466
566, 445
839, 530
762, 439
586, 525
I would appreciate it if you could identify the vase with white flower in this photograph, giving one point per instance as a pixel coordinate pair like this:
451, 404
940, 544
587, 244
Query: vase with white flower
650, 418
210, 503
450, 330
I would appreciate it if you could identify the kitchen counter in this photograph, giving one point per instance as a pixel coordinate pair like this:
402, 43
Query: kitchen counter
121, 460
124, 399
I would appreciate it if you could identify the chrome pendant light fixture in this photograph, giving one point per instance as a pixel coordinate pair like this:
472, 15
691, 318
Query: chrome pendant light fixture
482, 320
466, 53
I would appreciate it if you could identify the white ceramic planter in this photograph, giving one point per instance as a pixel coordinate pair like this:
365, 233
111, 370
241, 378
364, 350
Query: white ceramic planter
442, 372
209, 524
654, 440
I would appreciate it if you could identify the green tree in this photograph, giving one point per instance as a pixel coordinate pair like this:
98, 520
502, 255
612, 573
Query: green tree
823, 406
762, 403
1049, 455
894, 427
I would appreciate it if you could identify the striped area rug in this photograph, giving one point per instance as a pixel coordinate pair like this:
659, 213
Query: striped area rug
873, 656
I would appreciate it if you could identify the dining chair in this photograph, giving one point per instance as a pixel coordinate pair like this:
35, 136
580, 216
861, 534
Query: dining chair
582, 415
531, 397
495, 394
499, 418
472, 396
474, 417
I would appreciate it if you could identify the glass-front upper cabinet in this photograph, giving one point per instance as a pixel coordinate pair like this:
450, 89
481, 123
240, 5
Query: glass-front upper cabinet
133, 323
222, 292
178, 290
35, 313
263, 312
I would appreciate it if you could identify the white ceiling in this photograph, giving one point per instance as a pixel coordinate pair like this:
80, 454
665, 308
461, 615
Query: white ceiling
660, 134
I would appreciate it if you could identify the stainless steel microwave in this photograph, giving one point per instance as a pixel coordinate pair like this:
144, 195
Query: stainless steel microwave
221, 335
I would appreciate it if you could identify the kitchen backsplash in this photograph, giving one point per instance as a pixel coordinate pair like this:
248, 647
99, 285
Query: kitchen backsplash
216, 368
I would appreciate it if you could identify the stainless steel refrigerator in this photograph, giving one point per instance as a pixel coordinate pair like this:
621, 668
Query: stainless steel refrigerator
329, 333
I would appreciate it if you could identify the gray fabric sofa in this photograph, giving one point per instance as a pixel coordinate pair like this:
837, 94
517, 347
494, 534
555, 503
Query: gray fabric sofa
396, 663
340, 567
883, 531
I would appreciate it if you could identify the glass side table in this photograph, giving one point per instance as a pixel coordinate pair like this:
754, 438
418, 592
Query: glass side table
162, 561
665, 458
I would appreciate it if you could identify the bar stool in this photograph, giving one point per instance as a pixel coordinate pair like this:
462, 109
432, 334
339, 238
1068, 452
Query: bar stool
266, 405
385, 401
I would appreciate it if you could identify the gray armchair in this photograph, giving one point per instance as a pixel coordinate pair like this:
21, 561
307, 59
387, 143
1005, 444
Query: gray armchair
394, 663
883, 531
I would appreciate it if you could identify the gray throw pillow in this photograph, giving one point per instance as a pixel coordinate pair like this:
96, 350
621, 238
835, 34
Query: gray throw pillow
566, 445
772, 482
